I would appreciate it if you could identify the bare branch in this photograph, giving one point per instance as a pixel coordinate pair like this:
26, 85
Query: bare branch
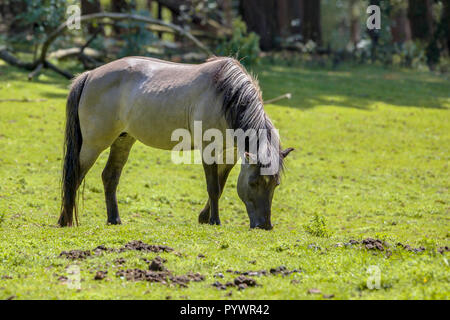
119, 17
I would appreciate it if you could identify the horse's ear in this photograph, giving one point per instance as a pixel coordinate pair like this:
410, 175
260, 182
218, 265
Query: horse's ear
250, 158
285, 152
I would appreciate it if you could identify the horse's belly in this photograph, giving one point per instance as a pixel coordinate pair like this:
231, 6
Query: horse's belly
154, 125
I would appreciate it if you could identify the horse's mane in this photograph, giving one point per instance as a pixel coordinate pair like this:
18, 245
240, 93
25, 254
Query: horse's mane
243, 105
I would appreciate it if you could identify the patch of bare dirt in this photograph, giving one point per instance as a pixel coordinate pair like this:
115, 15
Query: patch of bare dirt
241, 282
141, 246
157, 272
120, 261
407, 247
441, 250
75, 254
164, 277
100, 275
157, 264
274, 271
374, 244
137, 245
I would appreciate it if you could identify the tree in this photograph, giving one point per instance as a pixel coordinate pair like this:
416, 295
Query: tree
88, 7
121, 6
420, 16
400, 26
311, 28
354, 12
260, 17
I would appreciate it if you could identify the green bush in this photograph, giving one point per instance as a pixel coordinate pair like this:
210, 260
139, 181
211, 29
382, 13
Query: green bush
242, 45
317, 227
43, 16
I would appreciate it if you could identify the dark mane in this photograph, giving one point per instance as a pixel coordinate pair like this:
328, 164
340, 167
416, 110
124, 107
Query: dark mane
243, 106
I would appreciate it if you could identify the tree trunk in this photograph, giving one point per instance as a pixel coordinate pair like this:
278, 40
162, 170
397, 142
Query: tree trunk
419, 14
88, 7
446, 23
260, 17
355, 30
311, 28
227, 7
283, 13
120, 6
400, 27
10, 12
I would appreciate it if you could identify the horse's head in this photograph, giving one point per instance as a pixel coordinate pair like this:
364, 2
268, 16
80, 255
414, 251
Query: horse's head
256, 191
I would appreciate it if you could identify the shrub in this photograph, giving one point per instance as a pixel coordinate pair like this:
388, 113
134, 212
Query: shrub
242, 45
317, 227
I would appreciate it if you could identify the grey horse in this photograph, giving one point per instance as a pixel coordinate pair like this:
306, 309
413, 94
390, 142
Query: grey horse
145, 99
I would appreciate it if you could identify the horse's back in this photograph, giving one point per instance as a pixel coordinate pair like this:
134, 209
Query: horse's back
148, 98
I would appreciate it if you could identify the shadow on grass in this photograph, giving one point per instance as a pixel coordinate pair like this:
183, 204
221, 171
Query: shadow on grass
10, 73
359, 87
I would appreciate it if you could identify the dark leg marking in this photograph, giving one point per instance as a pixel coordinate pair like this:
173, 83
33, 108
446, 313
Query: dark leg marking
205, 215
118, 156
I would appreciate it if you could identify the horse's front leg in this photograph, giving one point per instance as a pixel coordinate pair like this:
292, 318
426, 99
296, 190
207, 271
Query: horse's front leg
223, 172
213, 187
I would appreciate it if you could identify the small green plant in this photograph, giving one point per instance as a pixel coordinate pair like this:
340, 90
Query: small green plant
317, 227
242, 45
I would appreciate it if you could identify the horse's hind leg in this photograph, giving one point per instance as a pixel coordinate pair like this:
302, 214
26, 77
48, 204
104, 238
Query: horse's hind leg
118, 156
88, 156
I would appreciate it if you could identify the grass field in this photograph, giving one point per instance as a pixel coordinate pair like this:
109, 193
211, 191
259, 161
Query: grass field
371, 161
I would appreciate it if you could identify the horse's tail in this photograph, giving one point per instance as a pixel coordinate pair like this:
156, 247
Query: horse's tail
72, 146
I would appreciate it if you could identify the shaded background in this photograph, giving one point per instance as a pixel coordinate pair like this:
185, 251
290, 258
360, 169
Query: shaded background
414, 34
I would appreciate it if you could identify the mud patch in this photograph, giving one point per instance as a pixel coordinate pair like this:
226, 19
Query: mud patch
75, 254
100, 275
283, 271
241, 282
157, 264
379, 245
273, 271
136, 245
157, 272
407, 247
164, 277
141, 246
120, 261
374, 244
441, 250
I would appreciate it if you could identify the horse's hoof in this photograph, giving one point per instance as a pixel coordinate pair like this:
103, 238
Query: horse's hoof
203, 218
114, 222
214, 222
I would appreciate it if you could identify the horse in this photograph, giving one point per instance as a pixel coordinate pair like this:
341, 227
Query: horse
146, 99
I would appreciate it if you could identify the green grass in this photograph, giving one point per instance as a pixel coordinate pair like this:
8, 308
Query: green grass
371, 160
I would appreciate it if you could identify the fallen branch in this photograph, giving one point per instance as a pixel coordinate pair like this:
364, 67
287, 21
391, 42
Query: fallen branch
22, 100
73, 52
64, 73
9, 58
42, 62
119, 17
35, 72
284, 96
